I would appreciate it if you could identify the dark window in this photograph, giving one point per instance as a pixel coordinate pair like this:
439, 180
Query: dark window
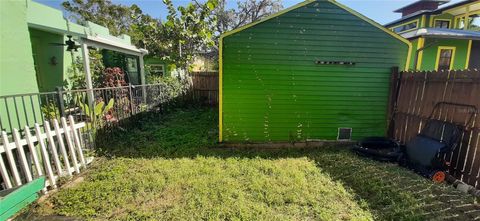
445, 59
133, 70
475, 55
406, 27
474, 22
157, 69
442, 24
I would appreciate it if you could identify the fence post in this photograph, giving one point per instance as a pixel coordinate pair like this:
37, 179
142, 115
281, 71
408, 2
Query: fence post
130, 94
392, 100
61, 104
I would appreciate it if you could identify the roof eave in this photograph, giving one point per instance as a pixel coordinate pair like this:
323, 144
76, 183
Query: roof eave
424, 32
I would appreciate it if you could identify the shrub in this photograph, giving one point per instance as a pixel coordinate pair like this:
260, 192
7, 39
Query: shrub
113, 77
167, 89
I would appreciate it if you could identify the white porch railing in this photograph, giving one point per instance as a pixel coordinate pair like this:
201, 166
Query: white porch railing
51, 152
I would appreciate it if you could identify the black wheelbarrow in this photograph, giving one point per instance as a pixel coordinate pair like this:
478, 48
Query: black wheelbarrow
425, 153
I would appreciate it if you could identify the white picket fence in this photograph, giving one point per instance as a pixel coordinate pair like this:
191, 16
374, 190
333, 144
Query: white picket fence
46, 153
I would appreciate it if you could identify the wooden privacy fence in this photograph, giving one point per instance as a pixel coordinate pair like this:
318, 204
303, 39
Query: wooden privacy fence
49, 152
419, 92
205, 87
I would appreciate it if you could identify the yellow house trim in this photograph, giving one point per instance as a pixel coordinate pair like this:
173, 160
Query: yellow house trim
469, 48
424, 19
475, 12
442, 19
311, 1
421, 43
430, 23
465, 15
406, 23
438, 56
395, 35
460, 6
456, 20
220, 90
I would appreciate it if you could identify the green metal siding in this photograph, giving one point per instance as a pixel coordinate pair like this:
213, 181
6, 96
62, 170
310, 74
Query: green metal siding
413, 58
274, 91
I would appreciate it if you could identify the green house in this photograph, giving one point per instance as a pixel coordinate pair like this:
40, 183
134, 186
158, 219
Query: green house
157, 66
443, 37
34, 57
315, 71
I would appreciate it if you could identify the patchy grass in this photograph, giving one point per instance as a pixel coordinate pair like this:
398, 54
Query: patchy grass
164, 168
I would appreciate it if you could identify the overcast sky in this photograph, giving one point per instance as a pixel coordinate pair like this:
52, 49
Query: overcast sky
378, 10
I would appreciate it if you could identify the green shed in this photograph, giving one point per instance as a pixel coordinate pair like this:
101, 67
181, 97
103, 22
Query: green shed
317, 70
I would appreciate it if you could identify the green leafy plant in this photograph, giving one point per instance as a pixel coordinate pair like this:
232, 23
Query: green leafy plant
76, 73
175, 39
50, 111
100, 114
166, 89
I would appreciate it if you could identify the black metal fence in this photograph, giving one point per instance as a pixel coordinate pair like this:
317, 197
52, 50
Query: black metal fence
98, 107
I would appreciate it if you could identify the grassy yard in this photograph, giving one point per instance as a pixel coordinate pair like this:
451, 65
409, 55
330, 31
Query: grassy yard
169, 168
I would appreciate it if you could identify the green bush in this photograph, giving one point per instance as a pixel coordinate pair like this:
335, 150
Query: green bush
172, 86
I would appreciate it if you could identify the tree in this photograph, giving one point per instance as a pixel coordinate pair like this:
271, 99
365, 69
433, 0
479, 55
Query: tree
247, 11
116, 18
186, 29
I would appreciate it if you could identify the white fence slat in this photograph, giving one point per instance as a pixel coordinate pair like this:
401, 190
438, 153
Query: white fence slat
62, 146
33, 151
11, 159
70, 145
53, 148
18, 168
76, 138
46, 158
5, 176
23, 158
34, 139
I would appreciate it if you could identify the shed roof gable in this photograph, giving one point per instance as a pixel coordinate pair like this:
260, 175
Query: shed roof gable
349, 10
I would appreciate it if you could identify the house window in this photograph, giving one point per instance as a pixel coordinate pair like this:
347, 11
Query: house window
460, 23
445, 58
442, 24
132, 71
157, 69
405, 27
473, 22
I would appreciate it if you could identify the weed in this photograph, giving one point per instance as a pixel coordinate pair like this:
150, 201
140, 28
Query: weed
164, 168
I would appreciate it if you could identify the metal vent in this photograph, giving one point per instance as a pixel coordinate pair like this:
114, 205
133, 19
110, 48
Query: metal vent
344, 133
